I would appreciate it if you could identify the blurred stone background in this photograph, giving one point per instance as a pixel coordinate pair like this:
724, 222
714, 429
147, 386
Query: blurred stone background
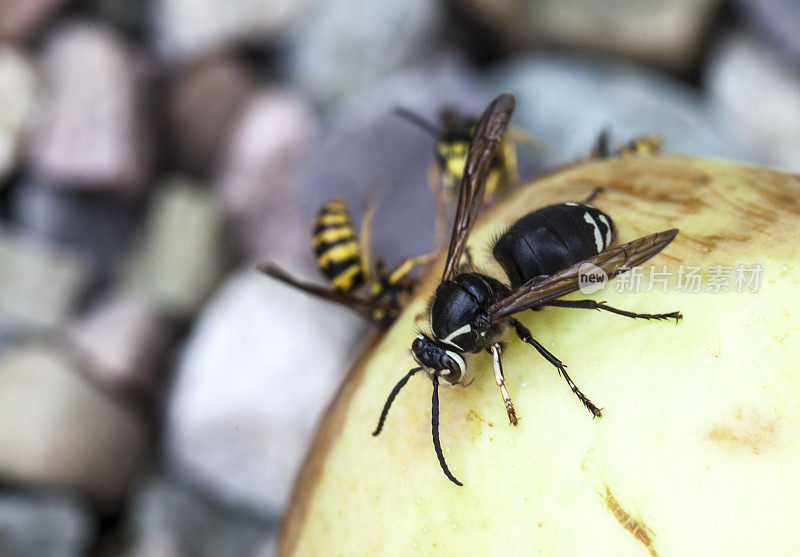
156, 393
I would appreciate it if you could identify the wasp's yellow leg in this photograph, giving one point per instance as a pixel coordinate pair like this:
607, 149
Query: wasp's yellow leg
407, 265
441, 200
365, 239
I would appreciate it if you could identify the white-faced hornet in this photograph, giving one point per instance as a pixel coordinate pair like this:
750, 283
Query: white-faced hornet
541, 255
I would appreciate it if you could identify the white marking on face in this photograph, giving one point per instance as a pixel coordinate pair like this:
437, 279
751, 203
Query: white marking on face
571, 204
460, 331
604, 220
459, 360
598, 237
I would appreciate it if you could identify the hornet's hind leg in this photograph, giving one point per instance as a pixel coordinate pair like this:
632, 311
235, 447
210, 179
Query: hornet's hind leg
592, 304
525, 335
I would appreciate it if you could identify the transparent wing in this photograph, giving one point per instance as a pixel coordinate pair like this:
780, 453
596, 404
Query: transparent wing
488, 134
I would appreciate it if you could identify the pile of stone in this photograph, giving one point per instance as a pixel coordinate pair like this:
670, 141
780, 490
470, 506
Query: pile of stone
156, 393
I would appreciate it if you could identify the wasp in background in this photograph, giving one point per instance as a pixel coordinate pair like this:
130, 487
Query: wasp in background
543, 255
639, 146
453, 136
344, 260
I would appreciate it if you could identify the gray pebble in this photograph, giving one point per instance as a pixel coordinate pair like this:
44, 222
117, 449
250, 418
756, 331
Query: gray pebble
39, 525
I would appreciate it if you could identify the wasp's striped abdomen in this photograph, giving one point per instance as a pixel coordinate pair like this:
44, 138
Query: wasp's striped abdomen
451, 155
336, 246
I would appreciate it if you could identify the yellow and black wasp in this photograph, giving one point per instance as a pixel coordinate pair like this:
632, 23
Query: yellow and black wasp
344, 260
639, 146
453, 136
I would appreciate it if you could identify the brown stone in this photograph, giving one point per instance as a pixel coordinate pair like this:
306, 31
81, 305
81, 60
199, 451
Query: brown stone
21, 19
56, 430
203, 101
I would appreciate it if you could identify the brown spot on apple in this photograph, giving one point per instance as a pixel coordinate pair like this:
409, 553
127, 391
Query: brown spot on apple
746, 430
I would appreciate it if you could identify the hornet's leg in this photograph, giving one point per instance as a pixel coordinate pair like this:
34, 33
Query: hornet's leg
592, 304
501, 382
526, 336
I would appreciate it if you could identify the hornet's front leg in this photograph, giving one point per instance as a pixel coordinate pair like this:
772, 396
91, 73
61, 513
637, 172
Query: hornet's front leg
495, 350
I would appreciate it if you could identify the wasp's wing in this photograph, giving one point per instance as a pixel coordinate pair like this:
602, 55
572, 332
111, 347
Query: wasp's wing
488, 134
612, 262
363, 306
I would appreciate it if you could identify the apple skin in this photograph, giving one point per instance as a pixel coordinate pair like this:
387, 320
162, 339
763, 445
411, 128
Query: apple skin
697, 450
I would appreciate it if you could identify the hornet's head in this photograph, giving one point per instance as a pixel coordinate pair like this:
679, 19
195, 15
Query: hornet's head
438, 360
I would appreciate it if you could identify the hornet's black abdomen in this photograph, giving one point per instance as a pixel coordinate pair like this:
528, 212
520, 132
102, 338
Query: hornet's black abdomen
458, 303
551, 239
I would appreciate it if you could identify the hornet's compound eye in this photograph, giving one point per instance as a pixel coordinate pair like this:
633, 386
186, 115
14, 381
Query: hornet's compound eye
416, 346
449, 363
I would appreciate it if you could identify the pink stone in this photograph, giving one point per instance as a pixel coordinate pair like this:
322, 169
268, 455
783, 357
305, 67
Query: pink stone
90, 132
120, 342
20, 20
264, 173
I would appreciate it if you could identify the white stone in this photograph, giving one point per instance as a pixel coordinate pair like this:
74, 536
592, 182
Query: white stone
345, 45
760, 95
260, 367
190, 28
17, 87
567, 100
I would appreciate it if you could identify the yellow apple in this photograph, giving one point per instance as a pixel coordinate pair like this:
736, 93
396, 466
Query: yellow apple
698, 448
